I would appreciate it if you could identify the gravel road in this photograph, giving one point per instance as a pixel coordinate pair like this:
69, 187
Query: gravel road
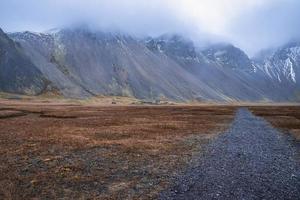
252, 160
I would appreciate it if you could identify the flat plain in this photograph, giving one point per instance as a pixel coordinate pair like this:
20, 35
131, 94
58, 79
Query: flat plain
79, 151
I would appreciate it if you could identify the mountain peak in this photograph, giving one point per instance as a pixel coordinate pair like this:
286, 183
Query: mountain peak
229, 56
173, 45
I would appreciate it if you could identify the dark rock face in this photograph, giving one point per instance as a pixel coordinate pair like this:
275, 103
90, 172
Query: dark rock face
17, 73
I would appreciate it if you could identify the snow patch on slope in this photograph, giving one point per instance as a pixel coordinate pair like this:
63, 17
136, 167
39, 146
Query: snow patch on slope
289, 70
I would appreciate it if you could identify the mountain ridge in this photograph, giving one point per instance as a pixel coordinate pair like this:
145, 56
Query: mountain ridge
81, 63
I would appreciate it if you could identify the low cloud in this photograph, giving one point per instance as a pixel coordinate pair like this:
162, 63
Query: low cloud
249, 24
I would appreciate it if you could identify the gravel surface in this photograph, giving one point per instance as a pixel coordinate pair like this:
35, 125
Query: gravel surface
252, 160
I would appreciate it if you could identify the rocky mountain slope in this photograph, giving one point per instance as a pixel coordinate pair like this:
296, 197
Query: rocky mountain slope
224, 80
281, 67
81, 63
95, 63
17, 73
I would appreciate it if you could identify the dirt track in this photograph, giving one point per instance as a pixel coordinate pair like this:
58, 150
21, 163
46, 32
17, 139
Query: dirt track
252, 160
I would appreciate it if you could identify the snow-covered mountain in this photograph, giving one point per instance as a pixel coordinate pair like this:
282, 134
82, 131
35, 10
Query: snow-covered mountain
283, 65
80, 63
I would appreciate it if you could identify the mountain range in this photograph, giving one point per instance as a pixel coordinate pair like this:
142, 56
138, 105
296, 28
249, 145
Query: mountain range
81, 63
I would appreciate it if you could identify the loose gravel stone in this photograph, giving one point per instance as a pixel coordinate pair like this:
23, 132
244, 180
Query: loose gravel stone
252, 160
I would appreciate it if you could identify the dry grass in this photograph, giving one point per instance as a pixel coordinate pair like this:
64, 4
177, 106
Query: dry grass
73, 151
286, 118
65, 150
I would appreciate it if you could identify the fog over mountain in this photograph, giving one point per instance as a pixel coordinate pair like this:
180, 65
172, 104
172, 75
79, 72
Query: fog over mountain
80, 62
209, 50
251, 25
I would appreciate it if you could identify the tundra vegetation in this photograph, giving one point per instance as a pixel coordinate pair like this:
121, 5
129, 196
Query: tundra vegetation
72, 150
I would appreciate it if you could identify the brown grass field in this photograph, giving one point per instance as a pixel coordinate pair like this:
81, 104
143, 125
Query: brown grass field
285, 118
72, 151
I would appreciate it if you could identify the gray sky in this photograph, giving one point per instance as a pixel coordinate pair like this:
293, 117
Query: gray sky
249, 24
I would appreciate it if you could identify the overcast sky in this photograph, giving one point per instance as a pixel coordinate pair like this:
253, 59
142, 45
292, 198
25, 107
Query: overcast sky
249, 24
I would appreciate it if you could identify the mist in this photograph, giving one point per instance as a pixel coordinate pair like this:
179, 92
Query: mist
251, 25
